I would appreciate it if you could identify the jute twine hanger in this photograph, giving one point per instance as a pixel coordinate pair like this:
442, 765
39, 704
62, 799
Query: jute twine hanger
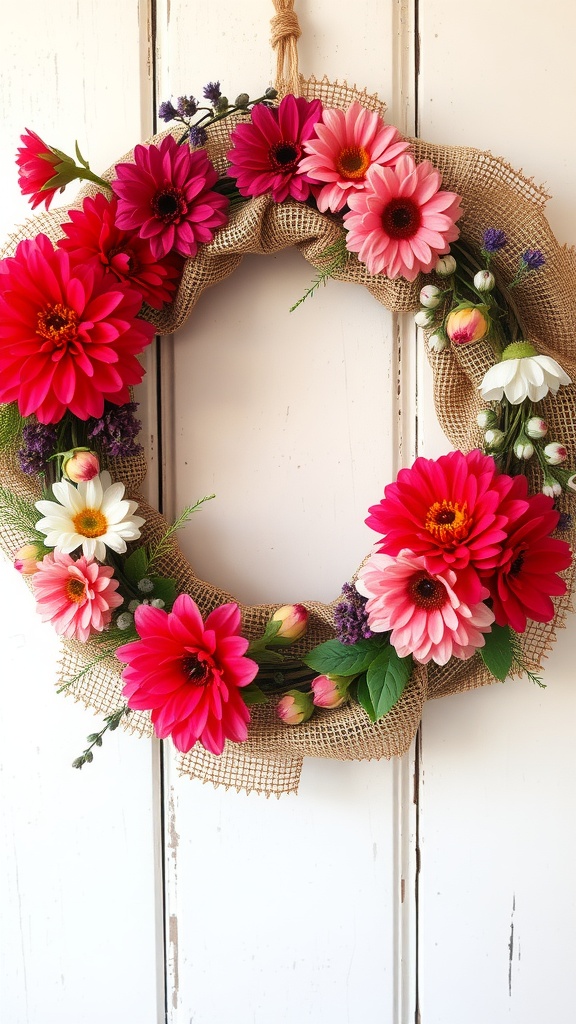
284, 39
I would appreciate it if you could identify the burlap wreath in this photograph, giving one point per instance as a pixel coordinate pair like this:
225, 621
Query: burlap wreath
493, 195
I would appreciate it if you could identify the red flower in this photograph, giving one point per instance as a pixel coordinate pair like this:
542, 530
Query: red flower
93, 237
68, 337
37, 165
267, 153
525, 578
188, 673
454, 510
166, 196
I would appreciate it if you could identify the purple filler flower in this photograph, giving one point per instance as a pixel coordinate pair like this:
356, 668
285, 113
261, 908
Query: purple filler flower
39, 442
198, 136
211, 92
167, 111
493, 240
187, 106
350, 617
533, 259
116, 431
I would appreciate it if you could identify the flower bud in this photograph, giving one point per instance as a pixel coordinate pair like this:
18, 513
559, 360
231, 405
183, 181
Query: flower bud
293, 619
242, 100
134, 605
295, 707
424, 318
494, 439
26, 558
330, 691
524, 450
486, 418
80, 465
553, 488
536, 428
571, 482
145, 586
555, 453
430, 296
466, 325
157, 602
124, 620
484, 281
445, 266
437, 342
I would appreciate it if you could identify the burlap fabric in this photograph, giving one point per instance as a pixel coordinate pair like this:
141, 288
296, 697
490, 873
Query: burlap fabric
493, 196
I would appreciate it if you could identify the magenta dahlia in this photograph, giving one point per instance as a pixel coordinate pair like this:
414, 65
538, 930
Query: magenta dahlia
401, 221
432, 616
93, 237
343, 148
189, 673
454, 510
68, 337
76, 595
268, 151
525, 579
167, 196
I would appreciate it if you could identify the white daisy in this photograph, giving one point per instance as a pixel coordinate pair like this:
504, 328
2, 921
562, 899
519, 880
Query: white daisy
523, 373
93, 515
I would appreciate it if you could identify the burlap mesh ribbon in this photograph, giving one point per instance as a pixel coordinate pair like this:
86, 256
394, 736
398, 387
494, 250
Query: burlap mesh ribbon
494, 195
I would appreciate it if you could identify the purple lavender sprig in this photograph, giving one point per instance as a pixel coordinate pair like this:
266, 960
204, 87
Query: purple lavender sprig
39, 442
116, 431
187, 108
350, 617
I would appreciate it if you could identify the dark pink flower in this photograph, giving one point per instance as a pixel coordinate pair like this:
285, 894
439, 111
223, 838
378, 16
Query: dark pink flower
94, 237
68, 337
267, 152
166, 196
188, 673
37, 165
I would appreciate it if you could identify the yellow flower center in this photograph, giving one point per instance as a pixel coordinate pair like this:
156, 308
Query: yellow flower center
75, 591
90, 522
448, 521
353, 162
57, 324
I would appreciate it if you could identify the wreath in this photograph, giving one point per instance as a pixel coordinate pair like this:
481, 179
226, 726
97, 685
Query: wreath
471, 571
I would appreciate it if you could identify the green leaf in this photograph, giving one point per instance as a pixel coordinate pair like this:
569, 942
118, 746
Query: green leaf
136, 565
344, 659
498, 651
11, 423
165, 589
363, 697
252, 694
266, 657
387, 677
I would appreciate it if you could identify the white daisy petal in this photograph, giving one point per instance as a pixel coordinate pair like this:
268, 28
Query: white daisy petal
94, 516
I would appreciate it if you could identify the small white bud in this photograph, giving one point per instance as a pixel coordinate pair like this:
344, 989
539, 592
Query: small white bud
145, 586
437, 343
484, 281
445, 266
523, 450
555, 453
430, 296
536, 428
424, 318
486, 418
134, 605
494, 438
552, 488
157, 602
124, 620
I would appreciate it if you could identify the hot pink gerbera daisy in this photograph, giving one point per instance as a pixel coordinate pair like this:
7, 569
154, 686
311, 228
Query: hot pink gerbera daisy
401, 221
76, 596
37, 165
68, 337
433, 617
525, 578
343, 148
166, 196
93, 237
268, 152
454, 511
188, 673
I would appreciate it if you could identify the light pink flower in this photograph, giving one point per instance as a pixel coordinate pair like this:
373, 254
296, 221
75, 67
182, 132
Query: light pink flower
76, 596
466, 325
431, 616
80, 465
188, 673
330, 691
401, 221
295, 707
294, 621
343, 148
167, 196
26, 560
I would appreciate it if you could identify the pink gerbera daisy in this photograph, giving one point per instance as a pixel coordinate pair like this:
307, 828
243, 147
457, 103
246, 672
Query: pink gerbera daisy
268, 152
343, 148
188, 673
453, 510
68, 337
401, 221
166, 196
525, 578
76, 596
432, 616
94, 237
37, 164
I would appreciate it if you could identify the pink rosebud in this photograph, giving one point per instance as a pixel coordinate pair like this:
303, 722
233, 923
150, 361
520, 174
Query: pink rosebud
293, 619
555, 453
466, 325
295, 707
330, 691
26, 558
38, 165
80, 465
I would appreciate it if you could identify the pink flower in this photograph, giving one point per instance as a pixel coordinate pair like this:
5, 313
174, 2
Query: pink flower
94, 237
68, 337
26, 559
466, 325
295, 707
401, 221
525, 578
343, 148
267, 152
294, 621
433, 617
166, 196
188, 673
75, 596
454, 511
37, 165
330, 691
80, 465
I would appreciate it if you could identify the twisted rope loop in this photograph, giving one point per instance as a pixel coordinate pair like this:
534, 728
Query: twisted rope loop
285, 33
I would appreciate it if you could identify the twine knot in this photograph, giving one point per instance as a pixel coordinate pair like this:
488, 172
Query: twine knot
285, 33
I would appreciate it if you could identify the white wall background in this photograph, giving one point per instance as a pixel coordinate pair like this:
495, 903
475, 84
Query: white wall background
129, 894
